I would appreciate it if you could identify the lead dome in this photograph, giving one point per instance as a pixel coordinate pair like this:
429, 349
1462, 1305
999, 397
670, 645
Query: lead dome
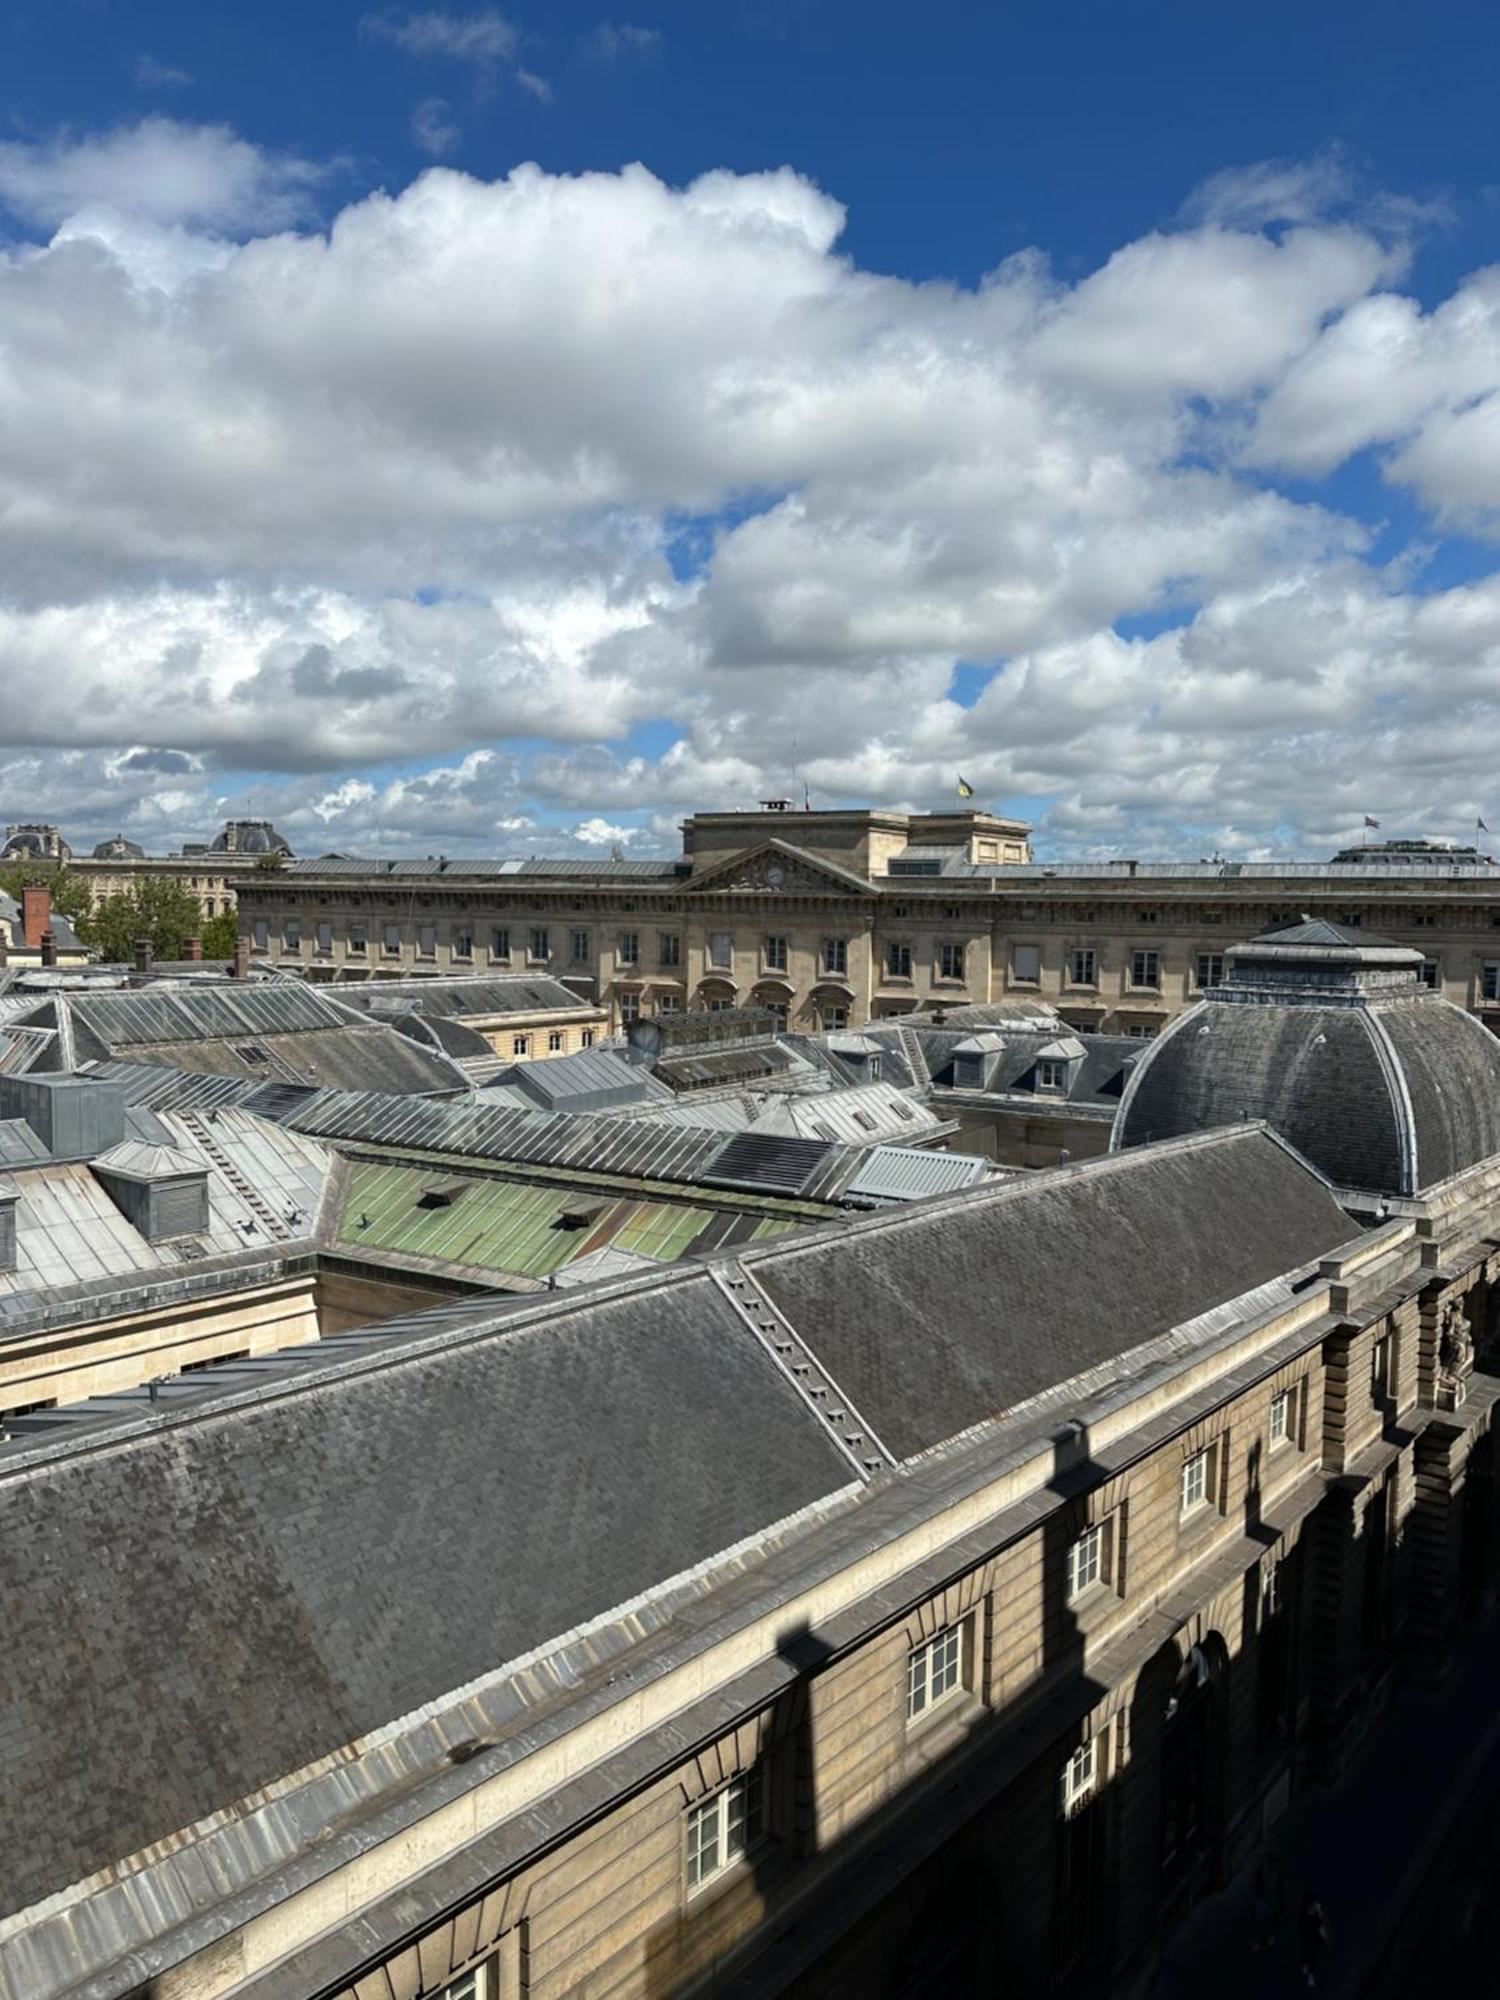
1331, 1038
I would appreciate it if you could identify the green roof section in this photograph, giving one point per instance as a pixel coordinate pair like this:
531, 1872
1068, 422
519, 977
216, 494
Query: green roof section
522, 1228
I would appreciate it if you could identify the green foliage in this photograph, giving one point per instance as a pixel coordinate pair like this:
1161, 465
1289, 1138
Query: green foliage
71, 896
220, 935
271, 860
155, 909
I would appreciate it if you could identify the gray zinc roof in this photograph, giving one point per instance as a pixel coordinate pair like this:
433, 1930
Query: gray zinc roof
943, 1315
339, 1556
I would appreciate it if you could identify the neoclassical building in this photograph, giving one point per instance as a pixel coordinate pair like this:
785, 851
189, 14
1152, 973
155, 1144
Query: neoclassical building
834, 919
933, 1603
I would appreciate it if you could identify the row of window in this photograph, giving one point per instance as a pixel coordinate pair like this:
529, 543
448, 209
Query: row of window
726, 1826
1081, 966
833, 953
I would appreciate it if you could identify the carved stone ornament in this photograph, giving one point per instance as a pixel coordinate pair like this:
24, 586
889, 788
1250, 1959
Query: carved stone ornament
1455, 1354
779, 875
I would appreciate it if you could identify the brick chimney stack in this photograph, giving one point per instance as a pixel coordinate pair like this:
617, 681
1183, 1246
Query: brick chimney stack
143, 957
192, 950
36, 913
242, 957
49, 946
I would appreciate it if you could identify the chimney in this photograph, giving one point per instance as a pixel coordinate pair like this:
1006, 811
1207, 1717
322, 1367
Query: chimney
192, 950
49, 946
143, 956
242, 957
4, 946
36, 913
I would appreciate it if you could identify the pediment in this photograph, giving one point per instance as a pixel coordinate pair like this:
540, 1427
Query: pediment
776, 868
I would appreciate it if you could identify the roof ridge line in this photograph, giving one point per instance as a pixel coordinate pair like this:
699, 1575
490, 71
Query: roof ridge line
1394, 1077
839, 1418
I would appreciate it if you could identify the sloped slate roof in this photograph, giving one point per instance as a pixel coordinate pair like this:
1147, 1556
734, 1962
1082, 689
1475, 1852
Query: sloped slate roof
500, 993
947, 1314
1391, 1098
267, 1584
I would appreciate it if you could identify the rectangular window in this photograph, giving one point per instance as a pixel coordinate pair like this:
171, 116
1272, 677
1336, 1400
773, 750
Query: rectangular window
1051, 1075
630, 948
835, 955
1026, 963
1381, 1371
520, 1045
1283, 1424
1080, 1776
775, 954
1196, 1487
1090, 1560
832, 1017
669, 948
500, 942
721, 950
539, 947
586, 1039
392, 944
722, 1829
1140, 1031
668, 1003
555, 1042
357, 939
427, 941
260, 930
1083, 966
1208, 970
291, 935
476, 1984
1145, 968
463, 942
325, 937
950, 961
578, 945
935, 1671
898, 961
1429, 973
1489, 982
630, 1008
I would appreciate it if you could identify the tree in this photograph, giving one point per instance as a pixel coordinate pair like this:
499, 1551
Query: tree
154, 909
220, 935
71, 895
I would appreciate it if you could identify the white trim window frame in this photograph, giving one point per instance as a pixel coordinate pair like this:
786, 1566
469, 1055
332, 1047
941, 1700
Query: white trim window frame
1281, 1424
1196, 1481
937, 1670
1080, 1777
478, 1983
724, 1827
1090, 1561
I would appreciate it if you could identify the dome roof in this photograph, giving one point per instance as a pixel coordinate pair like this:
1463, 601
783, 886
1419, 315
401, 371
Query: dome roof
249, 836
119, 849
1329, 1037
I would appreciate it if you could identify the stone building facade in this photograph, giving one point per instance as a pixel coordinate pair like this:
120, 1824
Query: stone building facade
834, 919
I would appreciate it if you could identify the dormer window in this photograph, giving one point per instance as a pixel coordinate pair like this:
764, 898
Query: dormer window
1051, 1074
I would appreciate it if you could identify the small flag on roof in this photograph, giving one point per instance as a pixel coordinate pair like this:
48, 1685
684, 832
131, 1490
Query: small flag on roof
1480, 827
1371, 822
965, 789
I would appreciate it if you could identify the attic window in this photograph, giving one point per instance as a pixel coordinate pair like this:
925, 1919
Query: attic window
1051, 1075
443, 1194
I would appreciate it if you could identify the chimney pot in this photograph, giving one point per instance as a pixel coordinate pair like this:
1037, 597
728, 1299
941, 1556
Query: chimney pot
242, 957
192, 950
49, 947
143, 955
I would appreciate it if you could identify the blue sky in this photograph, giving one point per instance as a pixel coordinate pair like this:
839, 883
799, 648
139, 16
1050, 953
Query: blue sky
1101, 398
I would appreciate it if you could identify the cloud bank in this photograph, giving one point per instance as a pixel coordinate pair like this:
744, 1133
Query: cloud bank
407, 526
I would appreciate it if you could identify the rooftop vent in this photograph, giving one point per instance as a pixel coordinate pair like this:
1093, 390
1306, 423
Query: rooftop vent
443, 1193
160, 1192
